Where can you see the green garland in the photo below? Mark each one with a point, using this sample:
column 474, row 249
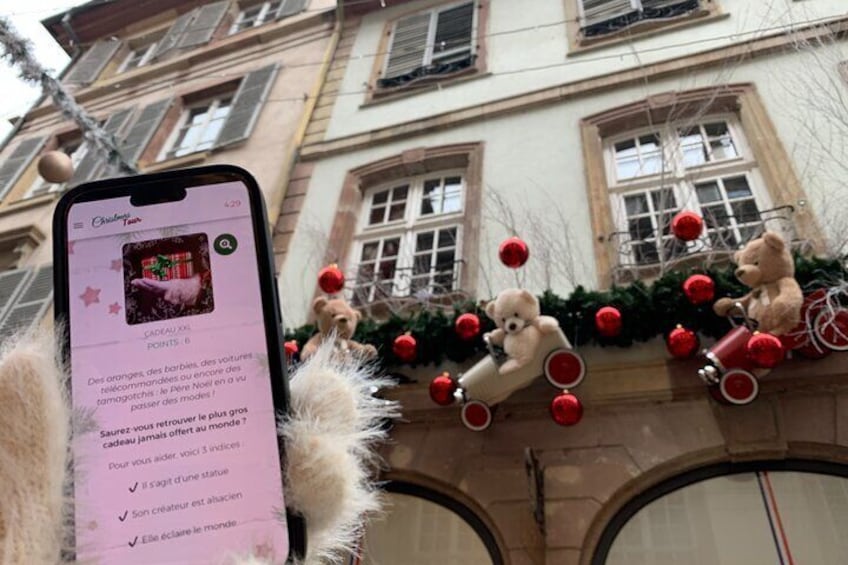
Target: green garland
column 647, row 312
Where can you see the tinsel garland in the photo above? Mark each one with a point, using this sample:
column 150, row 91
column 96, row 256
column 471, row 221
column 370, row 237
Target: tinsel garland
column 18, row 51
column 648, row 311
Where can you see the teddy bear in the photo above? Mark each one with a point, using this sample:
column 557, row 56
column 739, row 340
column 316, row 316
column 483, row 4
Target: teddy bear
column 520, row 326
column 336, row 320
column 765, row 265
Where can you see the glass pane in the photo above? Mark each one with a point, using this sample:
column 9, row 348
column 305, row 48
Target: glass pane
column 707, row 192
column 424, row 241
column 445, row 260
column 453, row 184
column 652, row 163
column 377, row 215
column 390, row 247
column 365, row 272
column 692, row 146
column 430, row 202
column 421, row 264
column 387, row 270
column 716, row 129
column 625, row 148
column 737, row 187
column 645, row 253
column 722, row 149
column 443, row 282
column 381, row 197
column 715, row 216
column 399, row 193
column 396, row 211
column 745, row 211
column 627, row 168
column 636, row 204
column 447, row 238
column 663, row 200
column 452, row 203
column 640, row 228
column 369, row 250
column 748, row 233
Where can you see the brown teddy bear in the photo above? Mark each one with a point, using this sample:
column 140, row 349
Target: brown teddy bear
column 766, row 266
column 337, row 320
column 520, row 327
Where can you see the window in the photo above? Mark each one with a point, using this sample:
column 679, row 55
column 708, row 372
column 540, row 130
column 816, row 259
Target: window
column 76, row 149
column 436, row 42
column 262, row 13
column 697, row 165
column 408, row 244
column 138, row 56
column 25, row 296
column 199, row 127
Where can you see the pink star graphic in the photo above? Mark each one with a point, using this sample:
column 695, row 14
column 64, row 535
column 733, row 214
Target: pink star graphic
column 90, row 296
column 114, row 308
column 117, row 265
column 71, row 247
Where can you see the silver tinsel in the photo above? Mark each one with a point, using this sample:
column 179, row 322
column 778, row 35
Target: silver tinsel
column 18, row 52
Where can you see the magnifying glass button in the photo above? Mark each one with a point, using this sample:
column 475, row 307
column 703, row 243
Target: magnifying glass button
column 225, row 244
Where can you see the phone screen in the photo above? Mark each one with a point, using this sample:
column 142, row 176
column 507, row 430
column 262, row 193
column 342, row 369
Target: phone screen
column 176, row 459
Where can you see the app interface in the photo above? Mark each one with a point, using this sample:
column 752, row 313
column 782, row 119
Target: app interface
column 175, row 448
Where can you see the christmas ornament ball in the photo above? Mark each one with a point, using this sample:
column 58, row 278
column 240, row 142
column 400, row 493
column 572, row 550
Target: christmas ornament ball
column 467, row 326
column 687, row 225
column 291, row 348
column 566, row 409
column 331, row 279
column 682, row 343
column 405, row 348
column 442, row 389
column 55, row 166
column 765, row 350
column 608, row 321
column 513, row 252
column 699, row 289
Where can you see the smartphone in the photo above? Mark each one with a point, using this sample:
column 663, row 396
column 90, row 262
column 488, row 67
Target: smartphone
column 164, row 286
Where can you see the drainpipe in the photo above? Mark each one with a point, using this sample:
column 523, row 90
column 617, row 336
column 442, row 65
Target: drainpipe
column 275, row 207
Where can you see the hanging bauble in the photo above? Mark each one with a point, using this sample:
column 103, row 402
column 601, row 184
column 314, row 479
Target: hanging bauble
column 55, row 166
column 291, row 349
column 566, row 409
column 682, row 343
column 405, row 348
column 699, row 289
column 608, row 321
column 687, row 225
column 467, row 326
column 765, row 350
column 513, row 252
column 442, row 389
column 331, row 279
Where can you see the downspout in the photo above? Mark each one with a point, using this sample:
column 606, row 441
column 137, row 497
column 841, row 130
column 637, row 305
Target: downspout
column 275, row 207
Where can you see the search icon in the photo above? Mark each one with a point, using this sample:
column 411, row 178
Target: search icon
column 225, row 244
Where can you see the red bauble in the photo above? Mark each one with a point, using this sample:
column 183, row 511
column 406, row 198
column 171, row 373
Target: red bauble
column 442, row 389
column 467, row 326
column 566, row 409
column 331, row 279
column 687, row 225
column 765, row 350
column 608, row 321
column 682, row 343
column 699, row 289
column 513, row 252
column 405, row 348
column 291, row 348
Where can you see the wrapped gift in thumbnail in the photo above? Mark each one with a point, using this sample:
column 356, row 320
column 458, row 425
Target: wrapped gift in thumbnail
column 168, row 267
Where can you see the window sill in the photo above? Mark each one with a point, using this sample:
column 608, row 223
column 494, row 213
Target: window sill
column 642, row 30
column 378, row 96
column 177, row 162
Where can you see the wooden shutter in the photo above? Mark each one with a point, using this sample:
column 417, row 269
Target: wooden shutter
column 90, row 65
column 199, row 31
column 173, row 36
column 409, row 45
column 246, row 106
column 137, row 138
column 31, row 304
column 291, row 7
column 94, row 162
column 15, row 164
column 453, row 28
column 599, row 11
column 11, row 282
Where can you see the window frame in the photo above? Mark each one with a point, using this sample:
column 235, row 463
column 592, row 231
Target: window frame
column 212, row 103
column 149, row 48
column 261, row 18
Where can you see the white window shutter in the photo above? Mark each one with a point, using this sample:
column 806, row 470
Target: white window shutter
column 247, row 104
column 139, row 135
column 599, row 11
column 409, row 45
column 454, row 28
column 15, row 164
column 291, row 7
column 91, row 64
column 31, row 303
column 94, row 160
column 173, row 36
column 11, row 282
column 200, row 30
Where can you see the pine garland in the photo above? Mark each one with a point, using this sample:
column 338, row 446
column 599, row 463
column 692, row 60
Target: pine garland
column 647, row 312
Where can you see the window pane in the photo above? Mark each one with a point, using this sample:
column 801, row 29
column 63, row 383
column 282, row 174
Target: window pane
column 430, row 202
column 421, row 264
column 627, row 168
column 663, row 200
column 453, row 184
column 445, row 260
column 369, row 250
column 424, row 241
column 745, row 211
column 641, row 228
column 721, row 143
column 715, row 216
column 636, row 204
column 365, row 272
column 707, row 192
column 391, row 247
column 387, row 270
column 645, row 253
column 381, row 197
column 692, row 147
column 396, row 211
column 399, row 193
column 737, row 187
column 447, row 238
column 452, row 203
column 377, row 216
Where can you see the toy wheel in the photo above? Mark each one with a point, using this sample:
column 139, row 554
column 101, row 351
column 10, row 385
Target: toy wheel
column 831, row 329
column 813, row 349
column 739, row 387
column 476, row 415
column 564, row 368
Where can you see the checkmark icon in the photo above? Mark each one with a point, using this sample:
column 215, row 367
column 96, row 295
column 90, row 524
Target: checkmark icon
column 135, row 486
column 124, row 517
column 133, row 542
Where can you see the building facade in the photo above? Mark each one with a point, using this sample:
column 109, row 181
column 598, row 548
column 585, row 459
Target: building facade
column 581, row 126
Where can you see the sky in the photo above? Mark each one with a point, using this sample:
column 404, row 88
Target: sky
column 26, row 17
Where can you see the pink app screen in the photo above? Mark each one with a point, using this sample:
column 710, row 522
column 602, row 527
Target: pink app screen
column 175, row 447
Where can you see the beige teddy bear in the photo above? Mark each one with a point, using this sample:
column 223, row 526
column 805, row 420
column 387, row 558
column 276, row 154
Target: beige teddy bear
column 766, row 266
column 336, row 320
column 520, row 326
